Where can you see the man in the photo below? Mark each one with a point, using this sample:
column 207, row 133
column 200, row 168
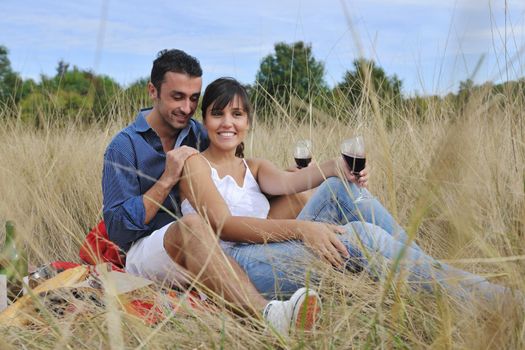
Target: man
column 142, row 167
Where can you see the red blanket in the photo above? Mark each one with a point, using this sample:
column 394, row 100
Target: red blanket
column 97, row 248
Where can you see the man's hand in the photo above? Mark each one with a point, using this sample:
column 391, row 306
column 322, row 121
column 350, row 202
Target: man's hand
column 160, row 190
column 361, row 180
column 174, row 163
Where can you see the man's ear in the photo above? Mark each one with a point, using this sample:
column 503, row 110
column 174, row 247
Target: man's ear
column 152, row 91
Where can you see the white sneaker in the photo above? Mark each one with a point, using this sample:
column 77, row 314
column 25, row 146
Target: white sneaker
column 301, row 311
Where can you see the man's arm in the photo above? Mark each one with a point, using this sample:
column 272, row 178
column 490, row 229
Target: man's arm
column 127, row 212
column 124, row 211
column 170, row 177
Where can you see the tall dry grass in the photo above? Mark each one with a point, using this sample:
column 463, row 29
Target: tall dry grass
column 454, row 180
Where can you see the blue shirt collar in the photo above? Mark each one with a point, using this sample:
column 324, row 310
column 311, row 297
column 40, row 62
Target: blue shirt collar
column 184, row 133
column 141, row 125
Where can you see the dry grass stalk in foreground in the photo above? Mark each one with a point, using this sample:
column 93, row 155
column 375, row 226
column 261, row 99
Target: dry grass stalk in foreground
column 456, row 181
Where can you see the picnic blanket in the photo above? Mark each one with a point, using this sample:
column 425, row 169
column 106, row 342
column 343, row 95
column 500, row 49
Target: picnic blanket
column 84, row 291
column 97, row 248
column 67, row 289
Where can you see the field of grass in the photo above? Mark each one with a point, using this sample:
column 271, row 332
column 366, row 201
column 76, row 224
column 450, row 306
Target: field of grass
column 455, row 180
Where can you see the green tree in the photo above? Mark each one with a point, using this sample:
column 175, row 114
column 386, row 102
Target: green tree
column 10, row 81
column 136, row 96
column 368, row 79
column 106, row 93
column 62, row 67
column 291, row 71
column 71, row 94
column 138, row 91
column 465, row 90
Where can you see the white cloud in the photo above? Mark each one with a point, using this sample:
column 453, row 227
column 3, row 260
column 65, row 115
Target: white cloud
column 407, row 37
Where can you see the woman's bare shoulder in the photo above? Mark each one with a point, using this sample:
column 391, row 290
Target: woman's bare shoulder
column 196, row 163
column 255, row 164
column 257, row 161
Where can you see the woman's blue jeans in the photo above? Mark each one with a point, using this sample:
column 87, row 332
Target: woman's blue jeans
column 374, row 240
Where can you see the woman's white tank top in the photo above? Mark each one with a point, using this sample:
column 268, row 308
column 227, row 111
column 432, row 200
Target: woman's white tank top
column 247, row 200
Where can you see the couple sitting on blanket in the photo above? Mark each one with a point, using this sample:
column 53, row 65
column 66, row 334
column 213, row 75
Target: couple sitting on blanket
column 166, row 164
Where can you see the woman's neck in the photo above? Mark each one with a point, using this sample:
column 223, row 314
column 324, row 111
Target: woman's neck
column 219, row 156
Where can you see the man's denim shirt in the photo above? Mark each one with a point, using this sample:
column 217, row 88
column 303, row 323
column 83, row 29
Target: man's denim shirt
column 133, row 162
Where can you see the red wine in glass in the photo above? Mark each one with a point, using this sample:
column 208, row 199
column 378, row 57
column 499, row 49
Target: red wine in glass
column 303, row 153
column 355, row 162
column 302, row 162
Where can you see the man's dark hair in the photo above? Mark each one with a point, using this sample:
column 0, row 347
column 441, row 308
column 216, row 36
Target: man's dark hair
column 176, row 61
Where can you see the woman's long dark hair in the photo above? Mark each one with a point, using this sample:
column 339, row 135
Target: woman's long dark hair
column 219, row 94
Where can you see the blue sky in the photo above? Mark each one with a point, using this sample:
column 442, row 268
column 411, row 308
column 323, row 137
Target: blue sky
column 430, row 44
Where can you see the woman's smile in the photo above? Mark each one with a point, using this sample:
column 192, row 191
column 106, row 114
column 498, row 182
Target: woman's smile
column 227, row 133
column 226, row 138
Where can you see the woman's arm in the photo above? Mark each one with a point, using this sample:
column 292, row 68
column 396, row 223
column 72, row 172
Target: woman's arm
column 274, row 181
column 197, row 186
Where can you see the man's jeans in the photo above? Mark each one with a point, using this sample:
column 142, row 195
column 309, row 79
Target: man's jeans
column 373, row 239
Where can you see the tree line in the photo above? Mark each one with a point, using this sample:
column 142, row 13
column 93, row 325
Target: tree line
column 290, row 78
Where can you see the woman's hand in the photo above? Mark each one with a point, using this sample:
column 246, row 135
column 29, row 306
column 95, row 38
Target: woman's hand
column 323, row 241
column 361, row 180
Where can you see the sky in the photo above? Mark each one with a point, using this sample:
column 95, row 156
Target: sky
column 431, row 45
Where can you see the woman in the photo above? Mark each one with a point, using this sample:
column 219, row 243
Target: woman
column 229, row 191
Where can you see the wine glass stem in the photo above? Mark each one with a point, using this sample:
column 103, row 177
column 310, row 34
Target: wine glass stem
column 359, row 187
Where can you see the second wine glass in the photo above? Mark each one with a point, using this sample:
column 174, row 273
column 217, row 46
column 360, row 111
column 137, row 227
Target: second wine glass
column 303, row 153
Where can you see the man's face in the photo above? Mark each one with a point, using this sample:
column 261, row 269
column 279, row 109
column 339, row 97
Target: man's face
column 178, row 98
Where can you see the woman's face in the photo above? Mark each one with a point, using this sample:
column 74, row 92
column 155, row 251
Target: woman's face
column 227, row 128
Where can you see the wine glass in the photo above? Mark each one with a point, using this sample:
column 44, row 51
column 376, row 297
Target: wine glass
column 353, row 151
column 303, row 153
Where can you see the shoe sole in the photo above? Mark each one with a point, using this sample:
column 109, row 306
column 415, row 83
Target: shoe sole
column 306, row 311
